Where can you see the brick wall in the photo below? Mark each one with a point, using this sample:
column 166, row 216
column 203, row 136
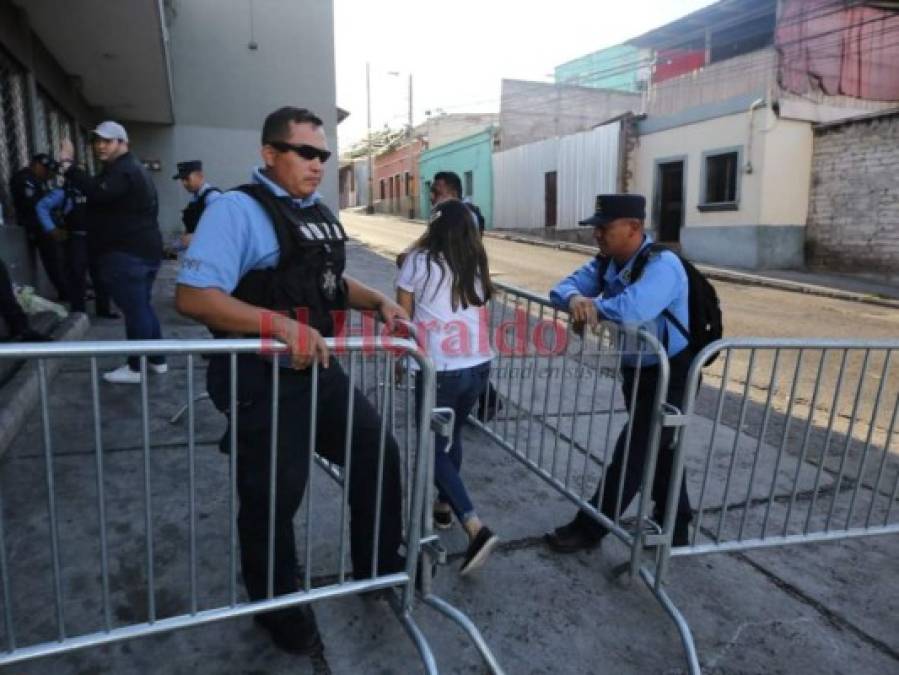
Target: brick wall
column 853, row 223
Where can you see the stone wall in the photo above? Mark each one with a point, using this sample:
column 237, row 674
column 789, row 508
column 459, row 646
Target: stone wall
column 853, row 223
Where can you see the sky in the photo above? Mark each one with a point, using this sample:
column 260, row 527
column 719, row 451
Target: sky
column 458, row 50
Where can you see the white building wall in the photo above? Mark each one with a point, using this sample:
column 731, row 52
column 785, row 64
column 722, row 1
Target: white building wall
column 586, row 164
column 518, row 184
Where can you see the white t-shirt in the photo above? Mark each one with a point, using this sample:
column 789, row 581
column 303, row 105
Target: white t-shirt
column 453, row 339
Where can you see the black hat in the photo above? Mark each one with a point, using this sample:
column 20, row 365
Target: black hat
column 186, row 168
column 610, row 207
column 43, row 159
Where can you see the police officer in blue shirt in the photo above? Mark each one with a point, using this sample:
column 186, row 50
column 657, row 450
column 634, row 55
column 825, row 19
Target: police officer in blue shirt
column 603, row 290
column 65, row 210
column 268, row 247
column 202, row 195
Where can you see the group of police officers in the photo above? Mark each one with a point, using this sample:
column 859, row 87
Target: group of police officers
column 271, row 246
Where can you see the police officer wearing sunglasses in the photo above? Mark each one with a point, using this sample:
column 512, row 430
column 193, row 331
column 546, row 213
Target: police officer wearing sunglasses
column 272, row 246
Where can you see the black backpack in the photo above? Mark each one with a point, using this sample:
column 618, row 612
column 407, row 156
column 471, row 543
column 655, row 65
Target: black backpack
column 704, row 307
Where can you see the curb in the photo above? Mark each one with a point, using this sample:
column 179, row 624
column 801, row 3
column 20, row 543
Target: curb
column 22, row 392
column 719, row 274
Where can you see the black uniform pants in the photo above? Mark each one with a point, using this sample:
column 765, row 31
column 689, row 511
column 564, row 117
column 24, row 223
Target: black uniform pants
column 12, row 313
column 253, row 477
column 48, row 250
column 639, row 422
column 79, row 263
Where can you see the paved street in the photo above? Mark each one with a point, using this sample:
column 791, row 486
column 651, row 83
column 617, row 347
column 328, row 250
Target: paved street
column 824, row 609
column 748, row 311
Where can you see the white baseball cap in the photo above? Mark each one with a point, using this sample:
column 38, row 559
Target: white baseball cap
column 111, row 131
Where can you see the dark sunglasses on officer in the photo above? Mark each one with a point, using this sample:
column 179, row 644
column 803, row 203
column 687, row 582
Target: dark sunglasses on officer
column 307, row 152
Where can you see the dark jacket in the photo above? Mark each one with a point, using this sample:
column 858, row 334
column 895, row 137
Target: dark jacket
column 26, row 190
column 122, row 208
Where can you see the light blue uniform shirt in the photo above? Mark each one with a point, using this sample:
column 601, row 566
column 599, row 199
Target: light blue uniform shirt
column 662, row 285
column 47, row 204
column 233, row 237
column 206, row 187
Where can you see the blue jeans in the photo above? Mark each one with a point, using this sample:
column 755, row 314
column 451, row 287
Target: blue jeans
column 129, row 280
column 459, row 390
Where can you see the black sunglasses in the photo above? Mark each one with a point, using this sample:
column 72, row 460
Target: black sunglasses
column 307, row 152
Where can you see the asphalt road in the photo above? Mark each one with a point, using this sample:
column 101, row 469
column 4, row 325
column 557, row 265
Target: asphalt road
column 748, row 311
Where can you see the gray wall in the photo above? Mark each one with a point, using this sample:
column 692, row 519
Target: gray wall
column 752, row 247
column 532, row 111
column 853, row 222
column 224, row 90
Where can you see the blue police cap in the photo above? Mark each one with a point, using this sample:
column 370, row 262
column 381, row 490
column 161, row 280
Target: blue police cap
column 610, row 207
column 186, row 168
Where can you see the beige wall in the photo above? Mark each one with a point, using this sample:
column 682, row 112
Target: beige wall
column 786, row 173
column 775, row 193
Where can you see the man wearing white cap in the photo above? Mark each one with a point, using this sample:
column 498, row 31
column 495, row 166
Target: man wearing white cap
column 122, row 212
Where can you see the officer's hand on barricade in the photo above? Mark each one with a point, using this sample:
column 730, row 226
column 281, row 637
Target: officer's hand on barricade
column 305, row 344
column 58, row 235
column 583, row 311
column 185, row 239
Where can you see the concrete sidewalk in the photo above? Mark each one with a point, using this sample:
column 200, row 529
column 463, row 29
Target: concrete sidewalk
column 818, row 609
column 838, row 286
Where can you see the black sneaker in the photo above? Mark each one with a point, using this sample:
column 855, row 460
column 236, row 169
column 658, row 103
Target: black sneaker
column 478, row 550
column 443, row 520
column 293, row 630
column 571, row 538
column 30, row 335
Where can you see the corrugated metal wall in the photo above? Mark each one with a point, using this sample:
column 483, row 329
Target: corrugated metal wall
column 586, row 164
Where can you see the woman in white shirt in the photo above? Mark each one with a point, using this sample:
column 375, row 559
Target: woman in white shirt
column 444, row 285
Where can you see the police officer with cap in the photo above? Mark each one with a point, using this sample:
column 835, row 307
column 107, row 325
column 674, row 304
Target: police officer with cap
column 271, row 253
column 64, row 210
column 603, row 290
column 28, row 186
column 202, row 195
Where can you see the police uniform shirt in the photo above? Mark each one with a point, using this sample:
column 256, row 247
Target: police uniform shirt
column 211, row 197
column 53, row 200
column 234, row 236
column 662, row 285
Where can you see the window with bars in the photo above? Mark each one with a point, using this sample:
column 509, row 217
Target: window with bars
column 14, row 136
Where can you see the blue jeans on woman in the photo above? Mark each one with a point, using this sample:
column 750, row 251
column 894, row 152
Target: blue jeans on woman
column 129, row 280
column 459, row 390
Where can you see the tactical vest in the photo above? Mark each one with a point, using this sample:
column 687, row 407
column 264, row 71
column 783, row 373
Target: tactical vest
column 309, row 274
column 190, row 215
column 308, row 278
column 76, row 219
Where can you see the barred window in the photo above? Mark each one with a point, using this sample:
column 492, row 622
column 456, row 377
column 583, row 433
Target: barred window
column 14, row 132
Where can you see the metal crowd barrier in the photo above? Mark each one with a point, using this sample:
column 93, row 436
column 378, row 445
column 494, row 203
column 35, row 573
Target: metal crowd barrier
column 152, row 598
column 801, row 446
column 563, row 407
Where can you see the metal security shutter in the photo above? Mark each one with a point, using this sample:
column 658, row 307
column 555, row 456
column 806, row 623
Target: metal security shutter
column 14, row 137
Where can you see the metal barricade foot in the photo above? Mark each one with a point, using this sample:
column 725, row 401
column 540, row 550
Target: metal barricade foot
column 683, row 628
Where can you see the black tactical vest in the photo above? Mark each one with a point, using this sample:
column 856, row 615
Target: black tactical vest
column 309, row 274
column 76, row 219
column 190, row 215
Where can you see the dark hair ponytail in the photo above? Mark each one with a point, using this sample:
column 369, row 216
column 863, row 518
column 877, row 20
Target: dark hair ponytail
column 453, row 242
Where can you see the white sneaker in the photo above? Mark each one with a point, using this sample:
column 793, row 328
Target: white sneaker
column 159, row 368
column 122, row 375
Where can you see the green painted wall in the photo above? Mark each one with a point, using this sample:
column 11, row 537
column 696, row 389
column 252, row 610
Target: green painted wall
column 473, row 153
column 612, row 68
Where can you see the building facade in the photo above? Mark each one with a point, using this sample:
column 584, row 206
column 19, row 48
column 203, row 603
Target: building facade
column 188, row 80
column 396, row 179
column 471, row 159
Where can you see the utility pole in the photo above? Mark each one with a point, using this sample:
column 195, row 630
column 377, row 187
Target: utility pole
column 370, row 207
column 411, row 189
column 410, row 104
